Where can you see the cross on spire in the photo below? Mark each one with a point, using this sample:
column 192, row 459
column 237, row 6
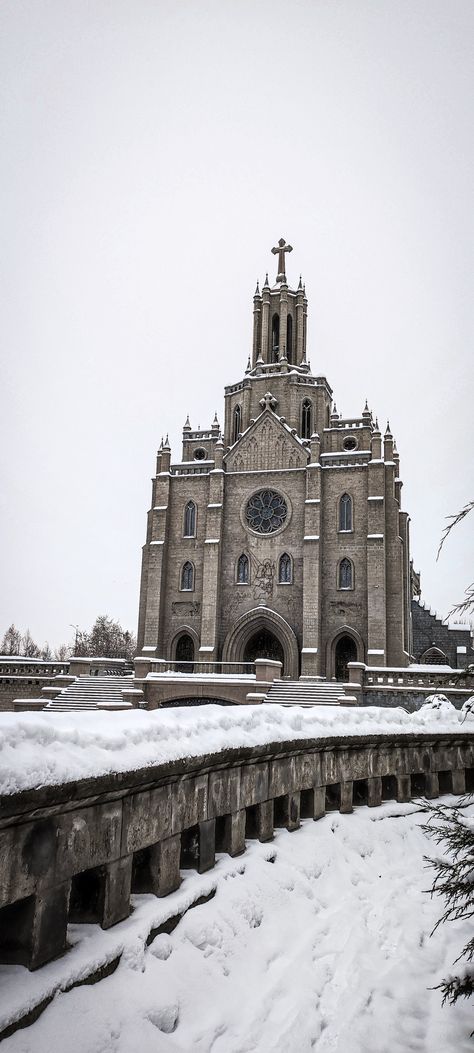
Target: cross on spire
column 281, row 248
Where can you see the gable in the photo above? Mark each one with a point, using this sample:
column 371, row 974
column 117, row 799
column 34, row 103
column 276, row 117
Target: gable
column 267, row 444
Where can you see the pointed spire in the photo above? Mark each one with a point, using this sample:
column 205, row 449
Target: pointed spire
column 166, row 445
column 300, row 285
column 215, row 423
column 249, row 367
column 377, row 424
column 266, row 284
column 387, row 430
column 257, row 290
column 161, row 443
column 187, row 425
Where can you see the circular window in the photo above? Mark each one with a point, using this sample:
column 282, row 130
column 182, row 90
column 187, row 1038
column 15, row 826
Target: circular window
column 350, row 443
column 266, row 512
column 200, row 454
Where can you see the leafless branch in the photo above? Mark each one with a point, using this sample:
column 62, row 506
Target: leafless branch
column 453, row 521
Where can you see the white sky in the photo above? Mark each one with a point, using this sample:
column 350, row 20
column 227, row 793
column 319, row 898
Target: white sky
column 152, row 154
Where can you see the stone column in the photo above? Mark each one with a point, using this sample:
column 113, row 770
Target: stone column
column 49, row 928
column 118, row 880
column 164, row 865
column 310, row 654
column 212, row 560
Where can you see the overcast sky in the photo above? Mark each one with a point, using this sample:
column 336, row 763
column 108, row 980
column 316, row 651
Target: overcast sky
column 152, row 154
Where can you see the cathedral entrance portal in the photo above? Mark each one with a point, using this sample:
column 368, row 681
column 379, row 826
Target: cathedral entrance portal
column 346, row 651
column 263, row 644
column 185, row 654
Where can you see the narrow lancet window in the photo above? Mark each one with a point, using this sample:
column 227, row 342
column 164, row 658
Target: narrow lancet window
column 275, row 338
column 306, row 421
column 190, row 520
column 289, row 338
column 243, row 570
column 187, row 577
column 237, row 424
column 284, row 569
column 345, row 512
column 345, row 574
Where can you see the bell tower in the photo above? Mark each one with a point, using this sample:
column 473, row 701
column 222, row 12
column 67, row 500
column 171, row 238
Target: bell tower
column 279, row 319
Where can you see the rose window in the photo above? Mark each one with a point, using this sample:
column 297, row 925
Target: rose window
column 266, row 512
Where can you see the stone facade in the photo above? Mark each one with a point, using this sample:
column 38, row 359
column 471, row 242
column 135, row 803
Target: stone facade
column 283, row 535
column 435, row 642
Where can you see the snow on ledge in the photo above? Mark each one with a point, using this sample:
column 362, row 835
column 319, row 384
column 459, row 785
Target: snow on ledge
column 39, row 749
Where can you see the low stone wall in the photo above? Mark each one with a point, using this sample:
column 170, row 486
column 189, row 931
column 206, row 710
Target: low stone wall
column 75, row 852
column 21, row 687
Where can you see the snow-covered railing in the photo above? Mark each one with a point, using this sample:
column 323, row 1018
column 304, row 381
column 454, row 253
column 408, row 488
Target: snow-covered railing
column 75, row 850
column 31, row 667
column 200, row 667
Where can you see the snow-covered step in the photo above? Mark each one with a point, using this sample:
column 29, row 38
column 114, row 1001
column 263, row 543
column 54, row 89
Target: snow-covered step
column 91, row 693
column 306, row 693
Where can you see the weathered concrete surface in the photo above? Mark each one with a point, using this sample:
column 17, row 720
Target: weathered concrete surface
column 79, row 849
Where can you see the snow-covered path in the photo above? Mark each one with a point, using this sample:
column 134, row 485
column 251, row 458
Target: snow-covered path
column 317, row 941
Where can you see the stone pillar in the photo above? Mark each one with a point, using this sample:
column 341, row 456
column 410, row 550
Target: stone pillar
column 346, row 797
column 164, row 865
column 207, row 845
column 291, row 810
column 49, row 929
column 310, row 654
column 319, row 802
column 299, row 327
column 118, row 880
column 459, row 780
column 264, row 814
column 265, row 322
column 212, row 561
column 257, row 309
column 403, row 788
column 376, row 559
column 374, row 792
column 154, row 562
column 234, row 833
column 283, row 319
column 431, row 784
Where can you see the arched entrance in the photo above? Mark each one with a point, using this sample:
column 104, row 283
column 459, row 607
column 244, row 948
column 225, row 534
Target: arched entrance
column 185, row 654
column 263, row 628
column 346, row 651
column 264, row 644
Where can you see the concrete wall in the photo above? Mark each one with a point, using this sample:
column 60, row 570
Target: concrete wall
column 75, row 852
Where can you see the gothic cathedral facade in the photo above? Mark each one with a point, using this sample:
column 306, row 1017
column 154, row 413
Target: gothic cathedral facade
column 283, row 536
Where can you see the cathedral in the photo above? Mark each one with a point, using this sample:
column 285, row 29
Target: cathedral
column 281, row 536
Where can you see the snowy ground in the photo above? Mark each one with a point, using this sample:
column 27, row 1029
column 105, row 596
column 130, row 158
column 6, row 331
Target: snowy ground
column 317, row 941
column 43, row 749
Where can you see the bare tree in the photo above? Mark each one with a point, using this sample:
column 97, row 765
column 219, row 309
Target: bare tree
column 466, row 606
column 11, row 643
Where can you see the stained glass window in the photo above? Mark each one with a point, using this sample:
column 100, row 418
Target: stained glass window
column 266, row 512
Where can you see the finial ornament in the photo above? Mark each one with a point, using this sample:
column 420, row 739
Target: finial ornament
column 300, row 285
column 187, row 424
column 281, row 248
column 257, row 290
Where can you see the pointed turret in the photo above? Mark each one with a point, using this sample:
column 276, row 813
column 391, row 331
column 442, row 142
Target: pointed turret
column 186, row 425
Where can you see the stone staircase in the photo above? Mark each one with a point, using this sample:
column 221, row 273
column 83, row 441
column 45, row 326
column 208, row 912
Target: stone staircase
column 91, row 693
column 308, row 692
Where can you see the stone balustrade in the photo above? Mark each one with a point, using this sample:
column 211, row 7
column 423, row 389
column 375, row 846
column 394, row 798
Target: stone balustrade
column 75, row 852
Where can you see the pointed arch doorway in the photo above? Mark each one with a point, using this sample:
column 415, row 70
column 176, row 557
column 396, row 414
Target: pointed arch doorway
column 345, row 651
column 264, row 644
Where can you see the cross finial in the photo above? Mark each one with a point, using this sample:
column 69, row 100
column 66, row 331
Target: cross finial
column 281, row 248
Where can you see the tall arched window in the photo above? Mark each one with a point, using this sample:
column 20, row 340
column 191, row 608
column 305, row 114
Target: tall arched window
column 190, row 520
column 284, row 569
column 345, row 512
column 345, row 576
column 275, row 338
column 306, row 422
column 187, row 577
column 237, row 423
column 289, row 338
column 243, row 569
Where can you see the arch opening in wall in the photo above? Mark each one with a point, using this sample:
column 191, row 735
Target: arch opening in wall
column 243, row 570
column 264, row 644
column 345, row 513
column 190, row 520
column 187, row 577
column 289, row 338
column 434, row 656
column 344, row 652
column 184, row 654
column 250, row 625
column 285, row 575
column 306, row 419
column 345, row 574
column 275, row 338
column 237, row 423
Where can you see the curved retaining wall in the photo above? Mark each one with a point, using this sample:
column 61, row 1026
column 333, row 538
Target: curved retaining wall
column 75, row 852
